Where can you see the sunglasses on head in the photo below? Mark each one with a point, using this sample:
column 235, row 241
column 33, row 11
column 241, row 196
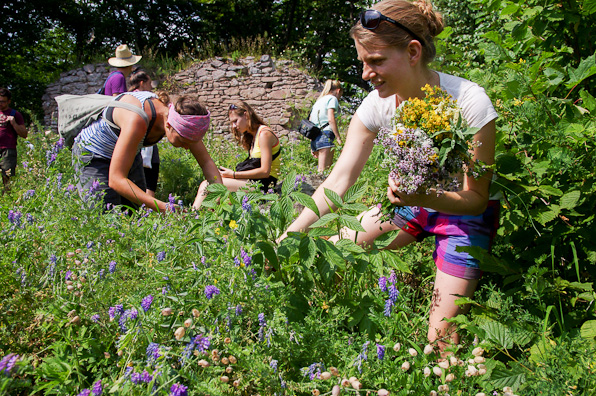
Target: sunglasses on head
column 233, row 107
column 371, row 19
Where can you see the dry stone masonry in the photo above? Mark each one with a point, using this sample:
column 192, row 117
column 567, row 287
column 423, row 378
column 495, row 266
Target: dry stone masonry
column 277, row 90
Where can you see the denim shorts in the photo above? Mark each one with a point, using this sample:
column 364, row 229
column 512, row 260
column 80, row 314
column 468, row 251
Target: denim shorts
column 324, row 140
column 451, row 231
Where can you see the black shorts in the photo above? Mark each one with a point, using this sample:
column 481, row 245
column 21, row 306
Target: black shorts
column 151, row 176
column 8, row 161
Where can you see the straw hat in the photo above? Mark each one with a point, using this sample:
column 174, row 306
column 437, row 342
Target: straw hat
column 124, row 57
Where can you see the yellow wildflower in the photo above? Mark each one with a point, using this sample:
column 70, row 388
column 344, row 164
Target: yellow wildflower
column 233, row 224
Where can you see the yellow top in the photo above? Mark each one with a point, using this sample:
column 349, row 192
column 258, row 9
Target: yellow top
column 256, row 153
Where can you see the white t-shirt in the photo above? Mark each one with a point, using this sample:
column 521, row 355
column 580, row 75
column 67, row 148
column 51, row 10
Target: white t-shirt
column 318, row 114
column 476, row 107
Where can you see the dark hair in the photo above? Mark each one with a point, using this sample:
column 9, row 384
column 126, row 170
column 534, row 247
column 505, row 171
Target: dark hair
column 418, row 16
column 190, row 105
column 137, row 77
column 245, row 139
column 5, row 92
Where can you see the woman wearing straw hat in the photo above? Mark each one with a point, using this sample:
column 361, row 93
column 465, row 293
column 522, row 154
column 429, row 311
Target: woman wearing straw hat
column 123, row 62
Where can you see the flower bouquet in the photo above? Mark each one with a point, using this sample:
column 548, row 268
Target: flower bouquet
column 428, row 145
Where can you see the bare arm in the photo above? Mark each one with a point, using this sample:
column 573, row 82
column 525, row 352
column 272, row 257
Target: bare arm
column 333, row 124
column 266, row 142
column 473, row 197
column 199, row 151
column 359, row 145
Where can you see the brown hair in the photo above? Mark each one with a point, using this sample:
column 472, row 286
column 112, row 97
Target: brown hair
column 418, row 16
column 137, row 77
column 190, row 105
column 245, row 139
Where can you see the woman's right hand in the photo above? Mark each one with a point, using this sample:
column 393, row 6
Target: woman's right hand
column 225, row 172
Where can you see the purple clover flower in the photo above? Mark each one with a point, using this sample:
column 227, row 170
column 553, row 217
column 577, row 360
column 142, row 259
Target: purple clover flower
column 393, row 277
column 95, row 318
column 8, row 362
column 273, row 365
column 153, row 352
column 84, row 392
column 146, row 377
column 67, row 275
column 388, row 307
column 146, row 303
column 112, row 267
column 238, row 310
column 136, row 378
column 393, row 293
column 246, row 259
column 245, row 205
column 161, row 256
column 210, row 291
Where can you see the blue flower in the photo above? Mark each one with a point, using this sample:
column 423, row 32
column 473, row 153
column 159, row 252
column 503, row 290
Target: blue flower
column 245, row 205
column 380, row 351
column 146, row 377
column 84, row 392
column 112, row 267
column 238, row 310
column 178, row 390
column 161, row 256
column 210, row 290
column 273, row 365
column 393, row 293
column 97, row 389
column 146, row 303
column 262, row 321
column 153, row 352
column 383, row 284
column 95, row 318
column 388, row 307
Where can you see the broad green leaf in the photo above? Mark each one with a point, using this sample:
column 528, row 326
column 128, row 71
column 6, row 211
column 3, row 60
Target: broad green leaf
column 305, row 200
column 588, row 329
column 385, row 239
column 269, row 252
column 324, row 220
column 487, row 261
column 288, row 183
column 588, row 100
column 586, row 68
column 217, row 188
column 510, row 9
column 508, row 164
column 331, row 253
column 322, row 231
column 569, row 200
column 351, row 222
column 394, row 261
column 514, row 377
column 307, row 251
column 541, row 351
column 334, row 198
column 355, row 192
column 498, row 333
column 550, row 190
column 545, row 217
column 350, row 246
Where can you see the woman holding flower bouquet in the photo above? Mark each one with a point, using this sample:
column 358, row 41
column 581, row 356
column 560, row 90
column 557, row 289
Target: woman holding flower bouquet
column 394, row 41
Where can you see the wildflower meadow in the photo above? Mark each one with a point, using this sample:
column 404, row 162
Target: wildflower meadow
column 134, row 302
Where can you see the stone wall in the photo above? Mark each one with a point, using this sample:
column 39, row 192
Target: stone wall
column 275, row 89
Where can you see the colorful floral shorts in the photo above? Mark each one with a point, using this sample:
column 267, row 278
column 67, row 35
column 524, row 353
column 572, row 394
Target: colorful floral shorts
column 451, row 231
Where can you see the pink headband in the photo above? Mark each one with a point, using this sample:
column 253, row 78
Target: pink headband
column 191, row 127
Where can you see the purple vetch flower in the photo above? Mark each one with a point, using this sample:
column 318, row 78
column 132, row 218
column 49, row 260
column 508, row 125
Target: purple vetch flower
column 115, row 311
column 262, row 321
column 161, row 256
column 246, row 259
column 388, row 307
column 67, row 275
column 70, row 188
column 8, row 362
column 146, row 303
column 153, row 352
column 146, row 377
column 211, row 290
column 383, row 284
column 28, row 194
column 380, row 351
column 393, row 293
column 14, row 217
column 178, row 390
column 245, row 205
column 393, row 277
column 236, row 262
column 84, row 392
column 112, row 267
column 136, row 378
column 95, row 318
column 97, row 389
column 238, row 310
column 201, row 343
column 90, row 244
column 273, row 365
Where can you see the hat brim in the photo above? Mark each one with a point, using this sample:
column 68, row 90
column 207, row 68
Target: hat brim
column 119, row 62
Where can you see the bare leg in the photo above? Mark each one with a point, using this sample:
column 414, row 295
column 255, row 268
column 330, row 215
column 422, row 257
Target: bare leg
column 447, row 289
column 325, row 159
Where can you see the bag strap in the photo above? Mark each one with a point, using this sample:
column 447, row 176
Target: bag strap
column 128, row 106
column 319, row 120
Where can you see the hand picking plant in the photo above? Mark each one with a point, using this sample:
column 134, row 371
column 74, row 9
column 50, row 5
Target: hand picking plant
column 428, row 145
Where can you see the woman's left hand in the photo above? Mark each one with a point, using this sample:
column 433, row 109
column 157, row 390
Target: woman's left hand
column 401, row 198
column 225, row 172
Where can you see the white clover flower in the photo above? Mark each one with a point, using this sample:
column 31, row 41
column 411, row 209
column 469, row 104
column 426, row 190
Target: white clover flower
column 453, row 360
column 437, row 371
column 481, row 371
column 413, row 352
column 472, row 370
column 397, row 347
column 444, row 364
column 450, row 377
column 383, row 392
column 481, row 394
column 478, row 351
column 479, row 359
column 444, row 388
column 428, row 349
column 405, row 366
column 433, row 393
column 426, row 371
